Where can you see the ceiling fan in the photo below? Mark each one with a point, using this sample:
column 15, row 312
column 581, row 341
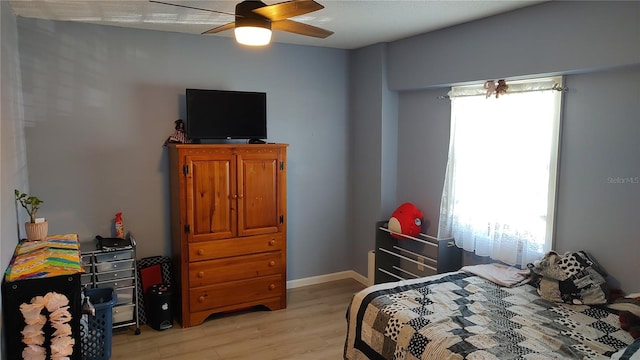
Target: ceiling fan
column 254, row 20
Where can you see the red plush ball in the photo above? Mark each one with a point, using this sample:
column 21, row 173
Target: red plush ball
column 406, row 220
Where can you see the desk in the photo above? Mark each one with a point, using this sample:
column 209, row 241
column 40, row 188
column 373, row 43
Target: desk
column 38, row 269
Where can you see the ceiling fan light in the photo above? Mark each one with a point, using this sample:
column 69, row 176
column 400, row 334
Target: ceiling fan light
column 253, row 35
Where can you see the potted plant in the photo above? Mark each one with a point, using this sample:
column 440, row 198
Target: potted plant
column 36, row 229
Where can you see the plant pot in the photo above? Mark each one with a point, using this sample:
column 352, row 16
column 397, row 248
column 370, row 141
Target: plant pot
column 36, row 231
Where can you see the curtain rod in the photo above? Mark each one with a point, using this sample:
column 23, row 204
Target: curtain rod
column 556, row 87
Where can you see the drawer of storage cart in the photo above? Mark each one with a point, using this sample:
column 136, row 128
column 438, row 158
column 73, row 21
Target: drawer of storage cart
column 125, row 295
column 114, row 256
column 86, row 279
column 216, row 249
column 114, row 265
column 122, row 313
column 235, row 292
column 116, row 284
column 86, row 261
column 114, row 275
column 235, row 268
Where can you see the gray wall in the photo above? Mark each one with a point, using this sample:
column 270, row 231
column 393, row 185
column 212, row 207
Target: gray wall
column 13, row 162
column 599, row 183
column 423, row 133
column 600, row 130
column 551, row 38
column 102, row 100
column 372, row 171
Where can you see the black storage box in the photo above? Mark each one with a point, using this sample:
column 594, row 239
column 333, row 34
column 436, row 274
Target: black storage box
column 158, row 308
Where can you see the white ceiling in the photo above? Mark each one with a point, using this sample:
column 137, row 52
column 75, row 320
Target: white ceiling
column 355, row 23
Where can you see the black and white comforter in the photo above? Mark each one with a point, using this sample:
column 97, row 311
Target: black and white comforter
column 463, row 316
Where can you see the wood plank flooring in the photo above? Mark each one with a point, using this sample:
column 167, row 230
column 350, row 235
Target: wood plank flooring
column 312, row 327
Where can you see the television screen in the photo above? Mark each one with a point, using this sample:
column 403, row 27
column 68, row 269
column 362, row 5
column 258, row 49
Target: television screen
column 222, row 114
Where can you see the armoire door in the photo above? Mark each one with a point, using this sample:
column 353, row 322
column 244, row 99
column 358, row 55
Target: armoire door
column 259, row 176
column 210, row 196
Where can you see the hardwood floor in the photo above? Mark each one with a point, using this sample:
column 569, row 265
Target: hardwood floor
column 312, row 327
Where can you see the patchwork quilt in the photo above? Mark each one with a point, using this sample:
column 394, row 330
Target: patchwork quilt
column 462, row 316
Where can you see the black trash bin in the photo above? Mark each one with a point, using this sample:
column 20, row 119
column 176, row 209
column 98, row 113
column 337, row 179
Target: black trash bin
column 158, row 309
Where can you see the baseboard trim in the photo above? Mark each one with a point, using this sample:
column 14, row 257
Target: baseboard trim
column 313, row 280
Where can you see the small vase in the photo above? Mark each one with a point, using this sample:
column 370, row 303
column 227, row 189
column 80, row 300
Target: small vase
column 36, row 231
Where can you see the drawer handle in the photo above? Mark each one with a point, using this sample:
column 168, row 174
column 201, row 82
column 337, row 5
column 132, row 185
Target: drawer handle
column 201, row 299
column 200, row 252
column 272, row 263
column 200, row 274
column 272, row 242
column 272, row 286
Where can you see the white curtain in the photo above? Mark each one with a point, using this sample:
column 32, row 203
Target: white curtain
column 499, row 191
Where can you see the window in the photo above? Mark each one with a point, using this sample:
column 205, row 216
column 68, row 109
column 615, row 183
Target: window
column 499, row 194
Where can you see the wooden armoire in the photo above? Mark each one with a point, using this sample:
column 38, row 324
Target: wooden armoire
column 228, row 227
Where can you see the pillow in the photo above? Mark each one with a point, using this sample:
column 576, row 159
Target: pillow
column 406, row 220
column 573, row 278
column 549, row 266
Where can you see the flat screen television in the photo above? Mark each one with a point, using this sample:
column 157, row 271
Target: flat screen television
column 224, row 114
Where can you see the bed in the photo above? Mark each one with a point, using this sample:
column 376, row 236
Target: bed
column 462, row 315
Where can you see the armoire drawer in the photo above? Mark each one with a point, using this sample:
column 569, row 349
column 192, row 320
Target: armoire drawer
column 235, row 292
column 216, row 249
column 234, row 268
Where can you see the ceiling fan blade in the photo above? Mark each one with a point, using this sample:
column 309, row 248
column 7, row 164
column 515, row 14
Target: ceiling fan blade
column 220, row 28
column 190, row 7
column 287, row 9
column 300, row 28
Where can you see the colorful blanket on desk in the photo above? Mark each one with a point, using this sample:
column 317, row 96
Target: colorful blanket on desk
column 57, row 255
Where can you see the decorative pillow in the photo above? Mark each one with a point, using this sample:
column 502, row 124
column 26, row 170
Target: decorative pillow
column 406, row 220
column 574, row 278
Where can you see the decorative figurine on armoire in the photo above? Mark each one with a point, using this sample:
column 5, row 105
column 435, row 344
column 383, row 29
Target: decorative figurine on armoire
column 178, row 136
